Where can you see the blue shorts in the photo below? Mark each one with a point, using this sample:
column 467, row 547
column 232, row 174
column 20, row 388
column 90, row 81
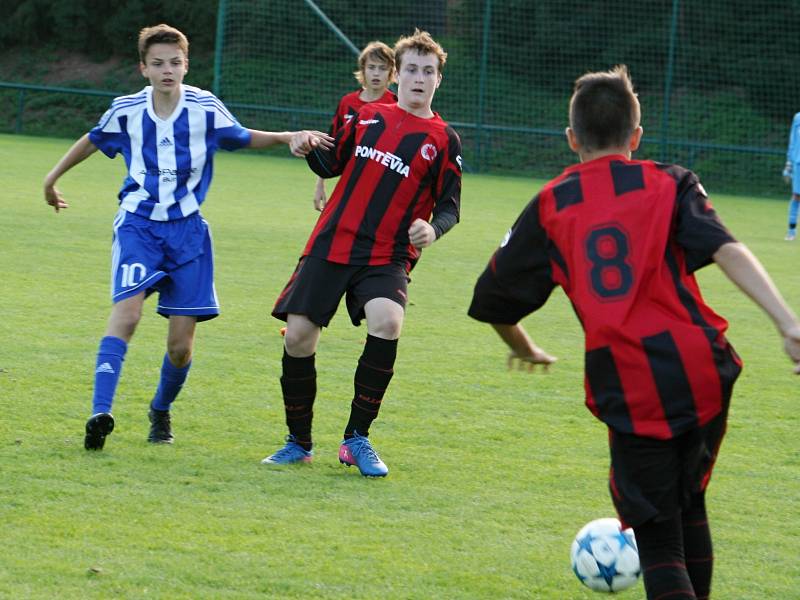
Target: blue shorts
column 174, row 258
column 796, row 178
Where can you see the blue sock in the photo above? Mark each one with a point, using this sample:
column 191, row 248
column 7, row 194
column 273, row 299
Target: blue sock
column 107, row 371
column 171, row 382
column 794, row 206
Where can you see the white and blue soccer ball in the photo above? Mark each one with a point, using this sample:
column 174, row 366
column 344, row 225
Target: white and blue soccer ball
column 605, row 557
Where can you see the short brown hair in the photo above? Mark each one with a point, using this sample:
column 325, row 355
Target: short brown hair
column 377, row 51
column 161, row 34
column 604, row 110
column 421, row 42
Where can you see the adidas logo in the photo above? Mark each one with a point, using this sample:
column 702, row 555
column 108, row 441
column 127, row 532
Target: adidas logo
column 165, row 142
column 105, row 368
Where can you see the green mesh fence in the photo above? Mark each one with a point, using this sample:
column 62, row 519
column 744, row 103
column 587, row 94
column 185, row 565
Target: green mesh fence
column 716, row 78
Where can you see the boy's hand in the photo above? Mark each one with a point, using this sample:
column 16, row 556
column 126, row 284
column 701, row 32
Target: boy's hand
column 791, row 344
column 536, row 357
column 303, row 142
column 54, row 198
column 421, row 234
column 787, row 172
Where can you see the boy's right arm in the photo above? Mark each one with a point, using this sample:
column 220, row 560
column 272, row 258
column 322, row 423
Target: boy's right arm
column 80, row 151
column 744, row 269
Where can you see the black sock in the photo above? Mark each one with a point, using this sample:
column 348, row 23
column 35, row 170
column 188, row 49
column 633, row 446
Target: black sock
column 373, row 374
column 663, row 563
column 698, row 547
column 299, row 385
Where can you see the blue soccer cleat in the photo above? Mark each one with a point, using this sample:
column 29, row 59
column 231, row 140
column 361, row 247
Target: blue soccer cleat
column 359, row 452
column 290, row 454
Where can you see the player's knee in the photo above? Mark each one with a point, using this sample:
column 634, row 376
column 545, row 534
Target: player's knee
column 179, row 353
column 124, row 320
column 387, row 327
column 299, row 342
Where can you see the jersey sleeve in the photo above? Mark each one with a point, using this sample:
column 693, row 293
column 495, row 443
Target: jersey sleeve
column 108, row 135
column 699, row 231
column 447, row 206
column 228, row 133
column 518, row 279
column 331, row 163
column 338, row 118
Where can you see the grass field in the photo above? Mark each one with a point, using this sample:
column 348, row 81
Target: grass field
column 492, row 472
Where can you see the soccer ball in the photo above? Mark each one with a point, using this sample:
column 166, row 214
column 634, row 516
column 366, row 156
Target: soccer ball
column 604, row 557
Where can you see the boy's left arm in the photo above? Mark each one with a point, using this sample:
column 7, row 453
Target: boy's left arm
column 447, row 208
column 746, row 271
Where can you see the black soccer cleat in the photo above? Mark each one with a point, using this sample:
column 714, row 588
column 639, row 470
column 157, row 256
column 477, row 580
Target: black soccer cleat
column 160, row 427
column 97, row 428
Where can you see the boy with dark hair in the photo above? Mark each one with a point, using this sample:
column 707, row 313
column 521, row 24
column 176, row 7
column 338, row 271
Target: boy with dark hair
column 375, row 73
column 399, row 192
column 168, row 134
column 623, row 238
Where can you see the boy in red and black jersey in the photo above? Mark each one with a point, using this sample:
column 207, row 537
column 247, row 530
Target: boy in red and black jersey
column 396, row 168
column 623, row 239
column 375, row 73
column 399, row 191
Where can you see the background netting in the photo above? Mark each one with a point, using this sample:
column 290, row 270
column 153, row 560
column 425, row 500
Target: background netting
column 716, row 79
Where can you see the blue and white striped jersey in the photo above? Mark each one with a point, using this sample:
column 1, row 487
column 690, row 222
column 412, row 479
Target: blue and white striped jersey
column 170, row 161
column 793, row 153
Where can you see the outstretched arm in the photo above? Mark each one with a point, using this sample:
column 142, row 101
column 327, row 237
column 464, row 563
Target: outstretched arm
column 522, row 347
column 80, row 151
column 744, row 269
column 300, row 142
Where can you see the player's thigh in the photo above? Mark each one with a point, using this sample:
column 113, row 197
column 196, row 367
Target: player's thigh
column 189, row 289
column 796, row 179
column 136, row 257
column 388, row 282
column 315, row 289
column 646, row 477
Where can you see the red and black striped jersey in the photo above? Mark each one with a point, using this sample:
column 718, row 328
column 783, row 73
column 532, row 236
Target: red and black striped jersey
column 395, row 168
column 351, row 103
column 623, row 239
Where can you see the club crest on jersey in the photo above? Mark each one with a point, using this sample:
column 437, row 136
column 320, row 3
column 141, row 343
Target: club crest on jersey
column 428, row 152
column 387, row 159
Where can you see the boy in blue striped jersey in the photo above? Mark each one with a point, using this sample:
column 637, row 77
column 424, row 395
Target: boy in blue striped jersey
column 168, row 134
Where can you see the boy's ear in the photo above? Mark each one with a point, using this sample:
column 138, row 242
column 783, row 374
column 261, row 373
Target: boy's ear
column 636, row 139
column 572, row 140
column 142, row 67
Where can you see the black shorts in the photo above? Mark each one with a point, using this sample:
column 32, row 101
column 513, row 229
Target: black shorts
column 656, row 479
column 317, row 286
